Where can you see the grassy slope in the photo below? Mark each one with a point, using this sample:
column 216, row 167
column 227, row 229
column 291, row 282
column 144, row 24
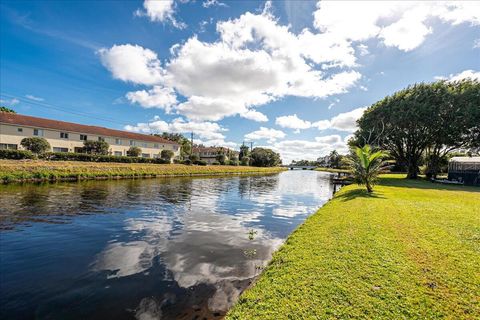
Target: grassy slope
column 411, row 251
column 332, row 170
column 14, row 170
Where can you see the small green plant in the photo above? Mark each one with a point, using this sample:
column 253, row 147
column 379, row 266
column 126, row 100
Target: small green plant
column 366, row 165
column 251, row 234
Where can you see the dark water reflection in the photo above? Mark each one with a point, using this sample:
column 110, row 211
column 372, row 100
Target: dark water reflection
column 174, row 248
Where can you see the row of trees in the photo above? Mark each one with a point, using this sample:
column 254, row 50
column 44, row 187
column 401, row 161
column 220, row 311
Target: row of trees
column 423, row 121
column 258, row 157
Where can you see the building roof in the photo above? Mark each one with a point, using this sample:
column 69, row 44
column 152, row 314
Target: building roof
column 22, row 120
column 466, row 159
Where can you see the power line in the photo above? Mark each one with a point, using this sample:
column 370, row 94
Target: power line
column 62, row 109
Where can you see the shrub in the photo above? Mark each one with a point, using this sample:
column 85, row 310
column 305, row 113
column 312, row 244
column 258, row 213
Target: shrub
column 216, row 163
column 161, row 161
column 178, row 161
column 65, row 156
column 221, row 158
column 200, row 162
column 134, row 152
column 194, row 157
column 16, row 154
column 245, row 161
column 167, row 155
column 187, row 162
column 95, row 147
column 35, row 144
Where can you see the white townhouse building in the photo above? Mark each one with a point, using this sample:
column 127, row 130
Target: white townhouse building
column 69, row 137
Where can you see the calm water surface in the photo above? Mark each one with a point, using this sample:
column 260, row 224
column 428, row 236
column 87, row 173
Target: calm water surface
column 178, row 248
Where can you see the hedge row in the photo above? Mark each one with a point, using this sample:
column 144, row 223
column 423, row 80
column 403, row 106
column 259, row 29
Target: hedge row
column 16, row 154
column 67, row 156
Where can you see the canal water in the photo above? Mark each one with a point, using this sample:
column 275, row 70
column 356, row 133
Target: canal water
column 173, row 248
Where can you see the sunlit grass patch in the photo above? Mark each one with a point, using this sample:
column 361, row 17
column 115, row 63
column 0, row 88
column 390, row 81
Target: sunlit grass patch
column 410, row 250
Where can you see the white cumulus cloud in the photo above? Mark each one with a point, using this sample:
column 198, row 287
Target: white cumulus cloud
column 203, row 130
column 132, row 63
column 160, row 11
column 263, row 133
column 346, row 121
column 465, row 74
column 157, row 97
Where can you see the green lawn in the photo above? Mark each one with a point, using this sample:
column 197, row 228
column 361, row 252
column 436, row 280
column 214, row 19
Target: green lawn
column 409, row 251
column 332, row 170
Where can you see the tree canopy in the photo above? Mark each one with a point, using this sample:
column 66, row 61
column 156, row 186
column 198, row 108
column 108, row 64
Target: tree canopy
column 263, row 157
column 425, row 118
column 35, row 144
column 7, row 110
column 95, row 147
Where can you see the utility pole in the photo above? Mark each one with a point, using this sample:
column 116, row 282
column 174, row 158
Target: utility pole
column 191, row 144
column 251, row 146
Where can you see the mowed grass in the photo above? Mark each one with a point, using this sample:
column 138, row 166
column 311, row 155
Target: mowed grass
column 409, row 251
column 332, row 170
column 35, row 170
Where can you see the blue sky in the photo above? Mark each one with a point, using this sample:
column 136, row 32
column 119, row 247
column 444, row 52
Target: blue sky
column 291, row 75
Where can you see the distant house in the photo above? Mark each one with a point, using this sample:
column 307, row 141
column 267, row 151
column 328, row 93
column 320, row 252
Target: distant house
column 465, row 169
column 324, row 161
column 69, row 137
column 209, row 154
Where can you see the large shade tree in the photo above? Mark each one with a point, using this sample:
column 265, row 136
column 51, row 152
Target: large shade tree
column 431, row 119
column 263, row 157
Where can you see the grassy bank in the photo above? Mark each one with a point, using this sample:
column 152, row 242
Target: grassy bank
column 409, row 251
column 37, row 170
column 332, row 170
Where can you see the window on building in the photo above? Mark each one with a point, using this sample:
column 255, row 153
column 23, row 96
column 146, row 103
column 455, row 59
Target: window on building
column 58, row 149
column 7, row 146
column 83, row 137
column 38, row 132
column 20, row 129
column 145, row 155
column 118, row 141
column 118, row 153
column 101, row 139
column 175, row 148
column 64, row 135
column 132, row 143
column 155, row 145
column 145, row 145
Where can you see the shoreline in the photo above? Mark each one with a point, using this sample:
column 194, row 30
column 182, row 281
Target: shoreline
column 14, row 171
column 357, row 257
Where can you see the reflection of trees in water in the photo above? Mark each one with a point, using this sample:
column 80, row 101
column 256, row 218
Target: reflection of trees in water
column 252, row 185
column 174, row 191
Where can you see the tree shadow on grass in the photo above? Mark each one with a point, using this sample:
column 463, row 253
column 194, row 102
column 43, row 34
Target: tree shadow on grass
column 424, row 184
column 358, row 193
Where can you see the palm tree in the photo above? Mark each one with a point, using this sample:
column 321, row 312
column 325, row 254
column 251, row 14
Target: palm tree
column 366, row 165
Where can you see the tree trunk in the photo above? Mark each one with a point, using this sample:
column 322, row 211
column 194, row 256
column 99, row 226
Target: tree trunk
column 412, row 169
column 369, row 187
